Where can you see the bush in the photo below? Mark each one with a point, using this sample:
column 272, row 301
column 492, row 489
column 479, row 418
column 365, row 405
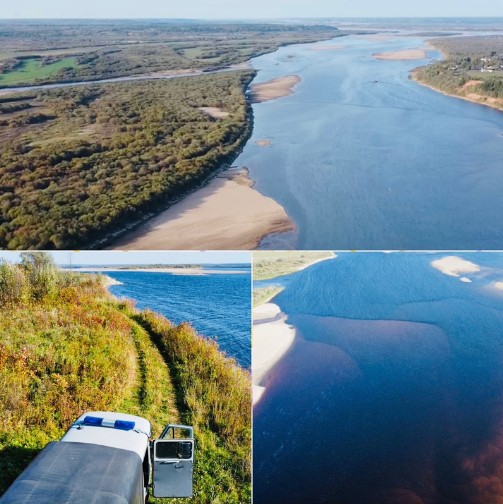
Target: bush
column 42, row 272
column 14, row 286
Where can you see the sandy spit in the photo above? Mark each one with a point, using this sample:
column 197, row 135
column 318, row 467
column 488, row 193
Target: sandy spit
column 273, row 89
column 227, row 214
column 272, row 337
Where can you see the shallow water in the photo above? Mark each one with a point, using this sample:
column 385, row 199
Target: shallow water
column 373, row 165
column 393, row 390
column 217, row 306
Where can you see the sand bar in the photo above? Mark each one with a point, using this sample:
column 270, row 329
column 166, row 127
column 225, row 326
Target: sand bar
column 327, row 47
column 273, row 89
column 455, row 266
column 408, row 54
column 272, row 338
column 227, row 214
column 263, row 143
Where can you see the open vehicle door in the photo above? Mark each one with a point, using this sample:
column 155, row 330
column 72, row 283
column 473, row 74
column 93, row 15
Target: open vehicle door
column 173, row 461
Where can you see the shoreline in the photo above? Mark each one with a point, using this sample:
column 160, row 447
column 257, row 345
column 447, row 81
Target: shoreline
column 271, row 339
column 191, row 223
column 312, row 263
column 413, row 76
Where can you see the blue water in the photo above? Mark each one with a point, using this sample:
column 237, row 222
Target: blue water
column 217, row 306
column 391, row 164
column 393, row 390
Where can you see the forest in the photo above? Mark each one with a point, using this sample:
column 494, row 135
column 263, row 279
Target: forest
column 80, row 164
column 68, row 51
column 472, row 68
column 68, row 346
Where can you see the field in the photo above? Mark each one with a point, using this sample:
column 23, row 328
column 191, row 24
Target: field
column 34, row 69
column 67, row 346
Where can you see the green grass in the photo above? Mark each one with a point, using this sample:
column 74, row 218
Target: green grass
column 67, row 346
column 31, row 70
column 268, row 265
column 262, row 295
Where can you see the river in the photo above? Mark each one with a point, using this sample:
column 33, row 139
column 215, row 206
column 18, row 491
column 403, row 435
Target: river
column 392, row 392
column 362, row 157
column 216, row 305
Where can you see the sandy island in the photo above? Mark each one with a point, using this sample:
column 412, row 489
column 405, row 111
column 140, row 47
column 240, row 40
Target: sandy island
column 273, row 89
column 455, row 266
column 408, row 54
column 272, row 338
column 227, row 214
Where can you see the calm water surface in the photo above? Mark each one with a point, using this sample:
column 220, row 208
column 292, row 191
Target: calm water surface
column 216, row 305
column 373, row 165
column 393, row 390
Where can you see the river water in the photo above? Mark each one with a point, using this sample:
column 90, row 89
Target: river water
column 363, row 157
column 393, row 390
column 216, row 305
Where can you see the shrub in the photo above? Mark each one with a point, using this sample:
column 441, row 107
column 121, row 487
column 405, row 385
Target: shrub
column 13, row 284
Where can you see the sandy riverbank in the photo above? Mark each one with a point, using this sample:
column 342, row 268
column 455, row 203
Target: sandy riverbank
column 227, row 214
column 408, row 54
column 487, row 101
column 273, row 89
column 455, row 266
column 272, row 338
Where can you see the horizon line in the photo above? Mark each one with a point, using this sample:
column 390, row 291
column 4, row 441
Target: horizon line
column 242, row 18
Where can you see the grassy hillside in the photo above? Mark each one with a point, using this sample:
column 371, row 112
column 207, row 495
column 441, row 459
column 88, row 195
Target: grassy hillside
column 68, row 346
column 77, row 164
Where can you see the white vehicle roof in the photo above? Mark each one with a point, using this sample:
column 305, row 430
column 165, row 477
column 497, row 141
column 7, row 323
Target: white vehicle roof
column 116, row 430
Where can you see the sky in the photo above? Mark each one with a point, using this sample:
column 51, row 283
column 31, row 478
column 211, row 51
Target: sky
column 111, row 257
column 240, row 9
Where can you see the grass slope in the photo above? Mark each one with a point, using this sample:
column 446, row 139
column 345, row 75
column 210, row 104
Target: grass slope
column 68, row 346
